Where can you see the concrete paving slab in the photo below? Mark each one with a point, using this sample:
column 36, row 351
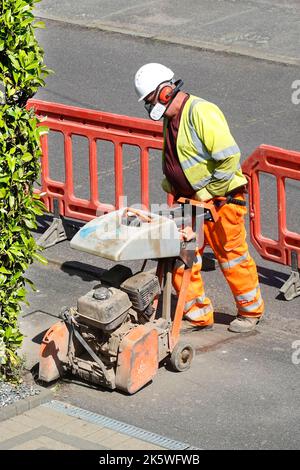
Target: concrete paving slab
column 52, row 439
column 113, row 440
column 52, row 444
column 135, row 444
column 53, row 420
column 35, row 444
column 24, row 421
column 82, row 429
column 8, row 432
column 37, row 429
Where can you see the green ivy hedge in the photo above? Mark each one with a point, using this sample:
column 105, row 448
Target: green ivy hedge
column 22, row 72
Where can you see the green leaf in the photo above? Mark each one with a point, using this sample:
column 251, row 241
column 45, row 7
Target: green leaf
column 40, row 258
column 14, row 61
column 27, row 157
column 32, row 285
column 39, row 24
column 11, row 161
column 4, row 179
column 16, row 76
column 4, row 270
column 43, row 130
column 2, row 193
column 16, row 229
column 38, row 211
column 25, row 8
column 32, row 66
column 21, row 292
column 8, row 332
column 30, row 224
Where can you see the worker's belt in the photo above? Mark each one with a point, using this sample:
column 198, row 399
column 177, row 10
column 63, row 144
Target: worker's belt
column 229, row 200
column 220, row 202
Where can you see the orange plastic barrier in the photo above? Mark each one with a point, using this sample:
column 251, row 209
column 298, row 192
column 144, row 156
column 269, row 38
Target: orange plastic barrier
column 142, row 133
column 95, row 126
column 282, row 164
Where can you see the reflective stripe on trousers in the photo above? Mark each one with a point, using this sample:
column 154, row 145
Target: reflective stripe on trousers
column 198, row 313
column 198, row 308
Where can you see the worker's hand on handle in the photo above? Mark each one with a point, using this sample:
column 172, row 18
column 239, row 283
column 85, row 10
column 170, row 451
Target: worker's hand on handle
column 187, row 234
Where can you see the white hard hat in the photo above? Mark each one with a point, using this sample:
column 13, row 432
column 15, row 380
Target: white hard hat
column 149, row 76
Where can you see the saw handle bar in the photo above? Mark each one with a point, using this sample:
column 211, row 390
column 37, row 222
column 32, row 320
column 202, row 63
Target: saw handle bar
column 210, row 207
column 207, row 206
column 139, row 214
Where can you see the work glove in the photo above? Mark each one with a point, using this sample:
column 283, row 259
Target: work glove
column 187, row 234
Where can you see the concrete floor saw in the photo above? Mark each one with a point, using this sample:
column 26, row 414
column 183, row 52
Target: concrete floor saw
column 120, row 331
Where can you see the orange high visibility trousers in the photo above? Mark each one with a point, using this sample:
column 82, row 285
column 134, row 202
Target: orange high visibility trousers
column 227, row 238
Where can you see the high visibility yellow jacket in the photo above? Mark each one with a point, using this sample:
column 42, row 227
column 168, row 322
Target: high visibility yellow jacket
column 207, row 152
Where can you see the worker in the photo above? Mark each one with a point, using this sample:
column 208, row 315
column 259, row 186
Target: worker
column 201, row 160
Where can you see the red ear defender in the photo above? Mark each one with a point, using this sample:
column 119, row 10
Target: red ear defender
column 165, row 94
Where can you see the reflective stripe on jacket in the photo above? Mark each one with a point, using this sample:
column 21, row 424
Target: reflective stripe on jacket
column 207, row 152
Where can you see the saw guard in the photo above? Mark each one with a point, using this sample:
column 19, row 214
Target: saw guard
column 137, row 359
column 53, row 352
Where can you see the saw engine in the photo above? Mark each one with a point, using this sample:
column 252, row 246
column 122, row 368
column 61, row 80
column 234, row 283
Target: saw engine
column 109, row 339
